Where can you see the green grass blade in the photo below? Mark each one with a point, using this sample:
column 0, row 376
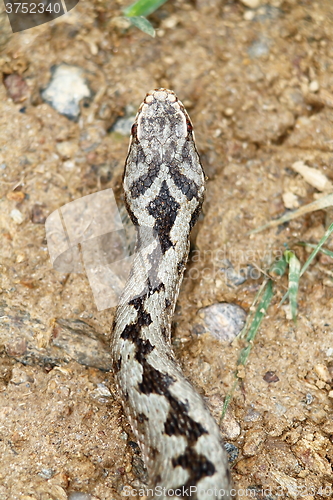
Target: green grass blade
column 143, row 7
column 267, row 293
column 293, row 281
column 325, row 251
column 243, row 332
column 143, row 24
column 259, row 314
column 317, row 249
column 278, row 268
column 228, row 398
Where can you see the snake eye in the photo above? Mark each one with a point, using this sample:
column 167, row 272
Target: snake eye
column 189, row 126
column 134, row 129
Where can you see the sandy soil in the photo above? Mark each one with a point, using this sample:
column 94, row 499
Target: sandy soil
column 258, row 85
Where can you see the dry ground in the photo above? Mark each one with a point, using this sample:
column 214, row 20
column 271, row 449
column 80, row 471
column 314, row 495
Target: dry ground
column 259, row 88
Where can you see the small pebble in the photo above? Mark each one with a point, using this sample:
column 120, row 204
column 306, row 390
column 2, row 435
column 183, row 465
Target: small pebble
column 102, row 393
column 15, row 196
column 290, row 200
column 232, row 451
column 266, row 12
column 249, row 15
column 77, row 495
column 318, row 416
column 16, row 87
column 68, row 165
column 67, row 149
column 252, row 416
column 320, row 384
column 258, row 48
column 123, row 125
column 314, row 86
column 20, row 258
column 66, row 89
column 17, row 216
column 134, row 446
column 323, row 373
column 228, row 112
column 230, row 427
column 124, row 436
column 280, row 409
column 252, row 4
column 223, row 321
column 270, row 377
column 38, row 215
column 329, row 352
column 139, row 469
column 313, row 176
column 253, row 441
column 308, row 398
column 46, row 473
column 103, row 390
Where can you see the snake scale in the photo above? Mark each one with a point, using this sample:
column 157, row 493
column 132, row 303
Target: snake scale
column 164, row 186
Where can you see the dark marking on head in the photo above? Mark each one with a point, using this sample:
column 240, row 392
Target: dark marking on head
column 164, row 209
column 144, row 182
column 187, row 186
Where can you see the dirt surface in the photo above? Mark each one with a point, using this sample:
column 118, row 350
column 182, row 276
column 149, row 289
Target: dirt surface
column 258, row 85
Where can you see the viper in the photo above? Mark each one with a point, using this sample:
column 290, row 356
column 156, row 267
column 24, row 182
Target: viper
column 164, row 185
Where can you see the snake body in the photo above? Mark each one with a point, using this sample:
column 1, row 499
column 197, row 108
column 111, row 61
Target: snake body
column 164, row 187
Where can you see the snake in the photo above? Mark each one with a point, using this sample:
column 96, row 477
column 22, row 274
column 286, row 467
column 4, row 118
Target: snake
column 164, row 186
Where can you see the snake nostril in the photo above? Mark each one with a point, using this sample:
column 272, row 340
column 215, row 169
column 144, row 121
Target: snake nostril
column 134, row 130
column 189, row 125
